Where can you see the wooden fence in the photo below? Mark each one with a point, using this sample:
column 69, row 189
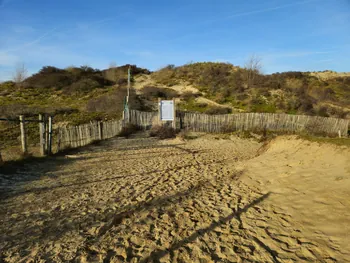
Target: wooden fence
column 143, row 119
column 77, row 136
column 249, row 122
column 81, row 135
column 45, row 132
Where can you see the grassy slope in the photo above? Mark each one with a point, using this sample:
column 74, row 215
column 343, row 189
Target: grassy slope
column 291, row 92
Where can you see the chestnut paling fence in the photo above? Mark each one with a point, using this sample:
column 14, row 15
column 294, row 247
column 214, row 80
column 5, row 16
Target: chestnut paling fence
column 81, row 135
column 248, row 122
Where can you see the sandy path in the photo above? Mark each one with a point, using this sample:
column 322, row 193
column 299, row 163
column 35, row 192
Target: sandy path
column 142, row 200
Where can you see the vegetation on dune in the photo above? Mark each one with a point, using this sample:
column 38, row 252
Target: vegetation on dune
column 189, row 103
column 67, row 92
column 247, row 89
column 81, row 94
column 152, row 93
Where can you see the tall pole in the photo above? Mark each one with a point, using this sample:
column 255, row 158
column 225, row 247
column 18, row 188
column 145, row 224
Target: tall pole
column 128, row 94
column 129, row 83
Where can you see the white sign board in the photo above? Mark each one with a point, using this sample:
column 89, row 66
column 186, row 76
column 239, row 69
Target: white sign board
column 166, row 110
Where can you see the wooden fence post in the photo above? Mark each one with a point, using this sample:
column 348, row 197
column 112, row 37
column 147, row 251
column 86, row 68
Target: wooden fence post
column 46, row 134
column 49, row 142
column 23, row 135
column 100, row 130
column 174, row 114
column 159, row 111
column 42, row 134
column 1, row 161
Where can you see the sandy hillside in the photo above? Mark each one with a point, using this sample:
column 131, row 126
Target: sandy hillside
column 146, row 80
column 325, row 75
column 204, row 200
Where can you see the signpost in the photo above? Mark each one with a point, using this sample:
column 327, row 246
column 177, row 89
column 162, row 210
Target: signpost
column 167, row 111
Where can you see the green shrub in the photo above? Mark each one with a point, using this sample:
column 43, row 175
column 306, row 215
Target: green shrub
column 214, row 110
column 113, row 102
column 189, row 95
column 153, row 92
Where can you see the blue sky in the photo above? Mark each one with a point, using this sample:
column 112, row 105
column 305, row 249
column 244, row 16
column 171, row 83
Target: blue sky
column 298, row 35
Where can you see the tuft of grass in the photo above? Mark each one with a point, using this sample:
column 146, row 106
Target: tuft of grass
column 185, row 135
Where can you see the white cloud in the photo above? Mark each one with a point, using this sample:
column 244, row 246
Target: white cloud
column 269, row 9
column 259, row 11
column 297, row 53
column 22, row 29
column 8, row 59
column 37, row 40
column 324, row 60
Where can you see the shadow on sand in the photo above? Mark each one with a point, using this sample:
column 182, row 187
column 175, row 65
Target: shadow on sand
column 158, row 254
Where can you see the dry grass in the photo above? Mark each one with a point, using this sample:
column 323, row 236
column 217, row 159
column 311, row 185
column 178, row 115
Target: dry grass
column 336, row 141
column 128, row 130
column 162, row 132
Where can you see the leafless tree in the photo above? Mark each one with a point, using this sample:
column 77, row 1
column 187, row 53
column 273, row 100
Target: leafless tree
column 253, row 69
column 20, row 73
column 112, row 64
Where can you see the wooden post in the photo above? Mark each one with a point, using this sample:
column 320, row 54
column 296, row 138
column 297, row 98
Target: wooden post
column 129, row 84
column 174, row 114
column 23, row 135
column 46, row 134
column 159, row 111
column 49, row 143
column 100, row 130
column 339, row 133
column 1, row 161
column 42, row 134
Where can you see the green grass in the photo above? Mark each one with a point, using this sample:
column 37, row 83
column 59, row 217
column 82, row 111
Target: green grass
column 192, row 105
column 269, row 108
column 335, row 141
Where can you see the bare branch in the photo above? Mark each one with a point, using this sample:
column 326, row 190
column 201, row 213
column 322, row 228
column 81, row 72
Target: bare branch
column 20, row 73
column 253, row 69
column 112, row 64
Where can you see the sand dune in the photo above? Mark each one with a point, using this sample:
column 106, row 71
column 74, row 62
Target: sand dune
column 204, row 200
column 310, row 182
